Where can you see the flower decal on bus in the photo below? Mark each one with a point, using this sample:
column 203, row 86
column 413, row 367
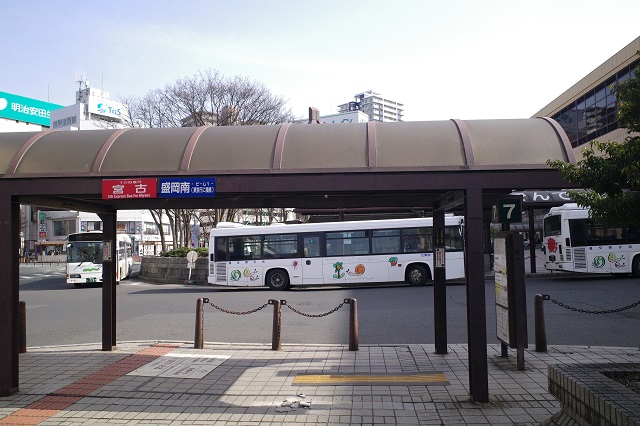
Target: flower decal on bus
column 235, row 275
column 253, row 276
column 598, row 262
column 552, row 246
column 339, row 270
column 359, row 270
column 617, row 261
column 295, row 264
column 393, row 261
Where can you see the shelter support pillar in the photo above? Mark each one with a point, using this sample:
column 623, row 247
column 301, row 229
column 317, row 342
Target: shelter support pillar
column 9, row 294
column 476, row 307
column 532, row 241
column 439, row 285
column 109, row 267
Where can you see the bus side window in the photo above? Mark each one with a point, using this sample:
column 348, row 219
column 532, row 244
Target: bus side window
column 577, row 232
column 221, row 249
column 311, row 246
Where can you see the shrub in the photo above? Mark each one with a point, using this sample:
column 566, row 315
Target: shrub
column 182, row 252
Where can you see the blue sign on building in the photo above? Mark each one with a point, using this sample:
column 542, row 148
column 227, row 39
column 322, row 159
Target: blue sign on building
column 186, row 187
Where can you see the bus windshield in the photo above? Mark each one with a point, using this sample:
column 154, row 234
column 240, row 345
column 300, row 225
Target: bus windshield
column 84, row 251
column 552, row 226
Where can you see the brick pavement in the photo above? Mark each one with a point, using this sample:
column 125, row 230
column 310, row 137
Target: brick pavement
column 247, row 384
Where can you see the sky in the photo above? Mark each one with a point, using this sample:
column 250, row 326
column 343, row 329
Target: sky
column 464, row 59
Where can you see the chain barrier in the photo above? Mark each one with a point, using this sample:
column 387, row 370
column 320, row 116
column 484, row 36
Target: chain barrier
column 277, row 320
column 284, row 302
column 234, row 312
column 587, row 311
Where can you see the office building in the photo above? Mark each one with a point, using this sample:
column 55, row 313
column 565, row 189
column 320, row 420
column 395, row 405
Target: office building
column 93, row 110
column 588, row 110
column 375, row 106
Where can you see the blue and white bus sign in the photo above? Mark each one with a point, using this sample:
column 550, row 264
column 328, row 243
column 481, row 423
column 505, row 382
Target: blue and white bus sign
column 186, row 187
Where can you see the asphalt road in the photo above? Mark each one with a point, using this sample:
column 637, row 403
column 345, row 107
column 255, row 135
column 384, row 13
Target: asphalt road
column 57, row 313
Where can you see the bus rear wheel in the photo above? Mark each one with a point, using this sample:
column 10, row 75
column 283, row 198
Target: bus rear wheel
column 277, row 279
column 416, row 275
column 635, row 266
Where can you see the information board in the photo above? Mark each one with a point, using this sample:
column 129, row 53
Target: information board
column 502, row 289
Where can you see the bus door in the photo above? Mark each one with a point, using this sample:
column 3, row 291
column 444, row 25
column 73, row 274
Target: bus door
column 311, row 259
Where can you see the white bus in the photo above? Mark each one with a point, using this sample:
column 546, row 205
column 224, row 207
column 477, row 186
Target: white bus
column 85, row 255
column 373, row 251
column 573, row 242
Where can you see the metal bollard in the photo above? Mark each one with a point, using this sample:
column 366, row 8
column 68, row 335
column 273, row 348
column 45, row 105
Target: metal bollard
column 277, row 323
column 198, row 342
column 540, row 331
column 353, row 323
column 22, row 341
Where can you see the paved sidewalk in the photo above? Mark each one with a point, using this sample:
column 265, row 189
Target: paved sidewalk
column 244, row 384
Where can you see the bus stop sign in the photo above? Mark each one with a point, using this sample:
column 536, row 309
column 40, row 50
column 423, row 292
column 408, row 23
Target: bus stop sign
column 508, row 210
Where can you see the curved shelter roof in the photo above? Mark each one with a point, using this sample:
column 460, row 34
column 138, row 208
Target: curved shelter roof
column 436, row 164
column 298, row 148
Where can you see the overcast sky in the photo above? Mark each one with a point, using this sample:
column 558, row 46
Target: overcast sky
column 468, row 59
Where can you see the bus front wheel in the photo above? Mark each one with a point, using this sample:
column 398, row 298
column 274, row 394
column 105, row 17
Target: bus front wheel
column 635, row 266
column 417, row 275
column 278, row 279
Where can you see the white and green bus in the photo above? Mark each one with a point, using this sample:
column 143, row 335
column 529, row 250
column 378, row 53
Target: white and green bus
column 368, row 251
column 572, row 242
column 85, row 256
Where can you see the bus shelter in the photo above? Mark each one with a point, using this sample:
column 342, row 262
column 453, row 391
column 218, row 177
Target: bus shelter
column 450, row 165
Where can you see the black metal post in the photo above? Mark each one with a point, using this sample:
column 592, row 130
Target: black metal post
column 277, row 324
column 540, row 330
column 353, row 324
column 198, row 341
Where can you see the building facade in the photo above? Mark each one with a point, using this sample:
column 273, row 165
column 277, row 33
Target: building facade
column 588, row 110
column 375, row 106
column 93, row 110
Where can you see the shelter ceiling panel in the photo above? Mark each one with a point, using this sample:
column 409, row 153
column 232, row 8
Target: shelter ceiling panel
column 234, row 147
column 147, row 150
column 328, row 146
column 63, row 152
column 419, row 144
column 11, row 144
column 514, row 142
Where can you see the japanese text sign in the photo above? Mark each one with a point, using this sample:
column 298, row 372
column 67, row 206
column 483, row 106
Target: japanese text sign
column 113, row 189
column 187, row 187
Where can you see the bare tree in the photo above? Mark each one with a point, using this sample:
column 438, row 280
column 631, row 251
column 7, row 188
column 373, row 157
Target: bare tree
column 206, row 98
column 209, row 98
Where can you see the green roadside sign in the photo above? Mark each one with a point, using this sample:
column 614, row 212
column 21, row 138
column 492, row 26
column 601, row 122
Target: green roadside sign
column 508, row 210
column 14, row 107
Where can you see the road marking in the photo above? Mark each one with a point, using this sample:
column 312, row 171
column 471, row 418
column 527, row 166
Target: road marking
column 371, row 379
